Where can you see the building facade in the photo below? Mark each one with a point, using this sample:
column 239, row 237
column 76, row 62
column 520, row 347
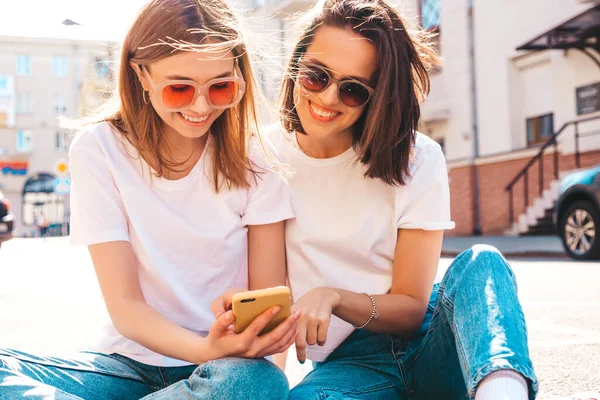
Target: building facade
column 41, row 81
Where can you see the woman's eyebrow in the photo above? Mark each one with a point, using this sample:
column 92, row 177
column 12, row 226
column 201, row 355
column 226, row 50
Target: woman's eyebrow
column 187, row 78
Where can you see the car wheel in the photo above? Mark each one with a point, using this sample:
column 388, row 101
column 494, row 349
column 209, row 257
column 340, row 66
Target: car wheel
column 578, row 229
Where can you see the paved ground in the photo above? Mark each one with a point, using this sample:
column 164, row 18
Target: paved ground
column 50, row 303
column 509, row 245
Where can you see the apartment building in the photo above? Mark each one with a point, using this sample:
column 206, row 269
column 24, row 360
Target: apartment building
column 63, row 74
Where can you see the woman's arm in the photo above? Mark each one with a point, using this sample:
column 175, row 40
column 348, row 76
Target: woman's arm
column 266, row 255
column 401, row 312
column 266, row 263
column 133, row 318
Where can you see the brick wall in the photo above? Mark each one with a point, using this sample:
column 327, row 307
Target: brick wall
column 494, row 201
column 461, row 200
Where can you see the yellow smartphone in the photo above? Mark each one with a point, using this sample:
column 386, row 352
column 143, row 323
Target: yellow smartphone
column 247, row 306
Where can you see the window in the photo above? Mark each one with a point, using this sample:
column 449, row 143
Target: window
column 59, row 66
column 102, row 68
column 430, row 14
column 23, row 103
column 60, row 104
column 24, row 141
column 59, row 142
column 23, row 65
column 540, row 129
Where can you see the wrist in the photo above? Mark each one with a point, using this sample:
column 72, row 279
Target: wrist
column 203, row 352
column 335, row 297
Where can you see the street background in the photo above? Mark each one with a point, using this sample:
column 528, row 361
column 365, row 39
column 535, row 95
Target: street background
column 515, row 107
column 50, row 303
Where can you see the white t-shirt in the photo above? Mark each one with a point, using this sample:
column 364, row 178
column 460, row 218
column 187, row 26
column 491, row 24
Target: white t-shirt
column 346, row 226
column 190, row 242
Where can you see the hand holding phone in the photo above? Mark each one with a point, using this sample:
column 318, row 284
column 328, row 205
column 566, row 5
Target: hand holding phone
column 247, row 306
column 248, row 338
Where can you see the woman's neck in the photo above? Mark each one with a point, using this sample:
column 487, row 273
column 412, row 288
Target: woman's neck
column 327, row 147
column 183, row 151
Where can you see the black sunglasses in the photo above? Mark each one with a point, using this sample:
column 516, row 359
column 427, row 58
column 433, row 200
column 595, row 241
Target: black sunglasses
column 316, row 78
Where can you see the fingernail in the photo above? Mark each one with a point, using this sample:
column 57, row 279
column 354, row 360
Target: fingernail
column 276, row 310
column 296, row 314
column 302, row 362
column 228, row 317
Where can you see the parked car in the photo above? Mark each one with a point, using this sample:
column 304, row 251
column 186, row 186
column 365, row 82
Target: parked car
column 6, row 220
column 577, row 214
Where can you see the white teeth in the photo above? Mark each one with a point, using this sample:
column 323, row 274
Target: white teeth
column 194, row 119
column 322, row 113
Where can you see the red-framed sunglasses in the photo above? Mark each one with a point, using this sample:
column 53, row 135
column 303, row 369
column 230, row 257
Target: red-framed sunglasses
column 177, row 95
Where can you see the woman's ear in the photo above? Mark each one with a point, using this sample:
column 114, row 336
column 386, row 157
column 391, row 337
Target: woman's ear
column 138, row 71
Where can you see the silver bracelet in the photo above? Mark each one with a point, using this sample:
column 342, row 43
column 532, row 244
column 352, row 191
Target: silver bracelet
column 374, row 313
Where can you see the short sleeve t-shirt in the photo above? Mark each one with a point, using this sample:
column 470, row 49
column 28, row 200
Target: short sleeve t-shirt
column 346, row 226
column 190, row 242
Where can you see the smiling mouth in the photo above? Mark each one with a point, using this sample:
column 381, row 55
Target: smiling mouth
column 322, row 114
column 194, row 119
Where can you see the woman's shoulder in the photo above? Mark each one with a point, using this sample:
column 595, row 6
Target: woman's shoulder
column 427, row 162
column 265, row 151
column 425, row 150
column 92, row 137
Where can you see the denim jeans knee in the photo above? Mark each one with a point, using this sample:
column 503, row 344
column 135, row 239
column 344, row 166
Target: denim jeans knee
column 244, row 378
column 481, row 310
column 479, row 260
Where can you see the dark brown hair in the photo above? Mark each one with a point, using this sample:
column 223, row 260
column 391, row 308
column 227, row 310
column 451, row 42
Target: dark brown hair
column 385, row 133
column 164, row 28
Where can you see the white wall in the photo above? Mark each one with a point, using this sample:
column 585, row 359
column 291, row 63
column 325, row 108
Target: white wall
column 501, row 26
column 576, row 70
column 456, row 77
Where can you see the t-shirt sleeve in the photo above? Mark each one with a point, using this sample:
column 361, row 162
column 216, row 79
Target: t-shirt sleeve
column 269, row 198
column 97, row 211
column 424, row 203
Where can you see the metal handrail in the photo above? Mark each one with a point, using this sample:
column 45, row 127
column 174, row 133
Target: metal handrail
column 524, row 172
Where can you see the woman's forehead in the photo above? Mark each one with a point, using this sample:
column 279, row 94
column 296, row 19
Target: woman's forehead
column 343, row 51
column 200, row 66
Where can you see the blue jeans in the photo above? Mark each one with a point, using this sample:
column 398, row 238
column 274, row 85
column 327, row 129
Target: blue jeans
column 94, row 376
column 474, row 325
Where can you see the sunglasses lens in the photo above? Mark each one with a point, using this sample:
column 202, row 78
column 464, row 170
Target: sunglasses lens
column 178, row 96
column 223, row 93
column 313, row 79
column 353, row 94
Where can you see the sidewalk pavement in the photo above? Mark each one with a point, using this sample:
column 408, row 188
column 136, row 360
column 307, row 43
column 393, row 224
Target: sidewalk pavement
column 514, row 246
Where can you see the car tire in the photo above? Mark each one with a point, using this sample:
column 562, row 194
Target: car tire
column 578, row 215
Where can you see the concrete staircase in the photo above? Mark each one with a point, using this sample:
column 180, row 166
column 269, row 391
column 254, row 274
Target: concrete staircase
column 537, row 218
